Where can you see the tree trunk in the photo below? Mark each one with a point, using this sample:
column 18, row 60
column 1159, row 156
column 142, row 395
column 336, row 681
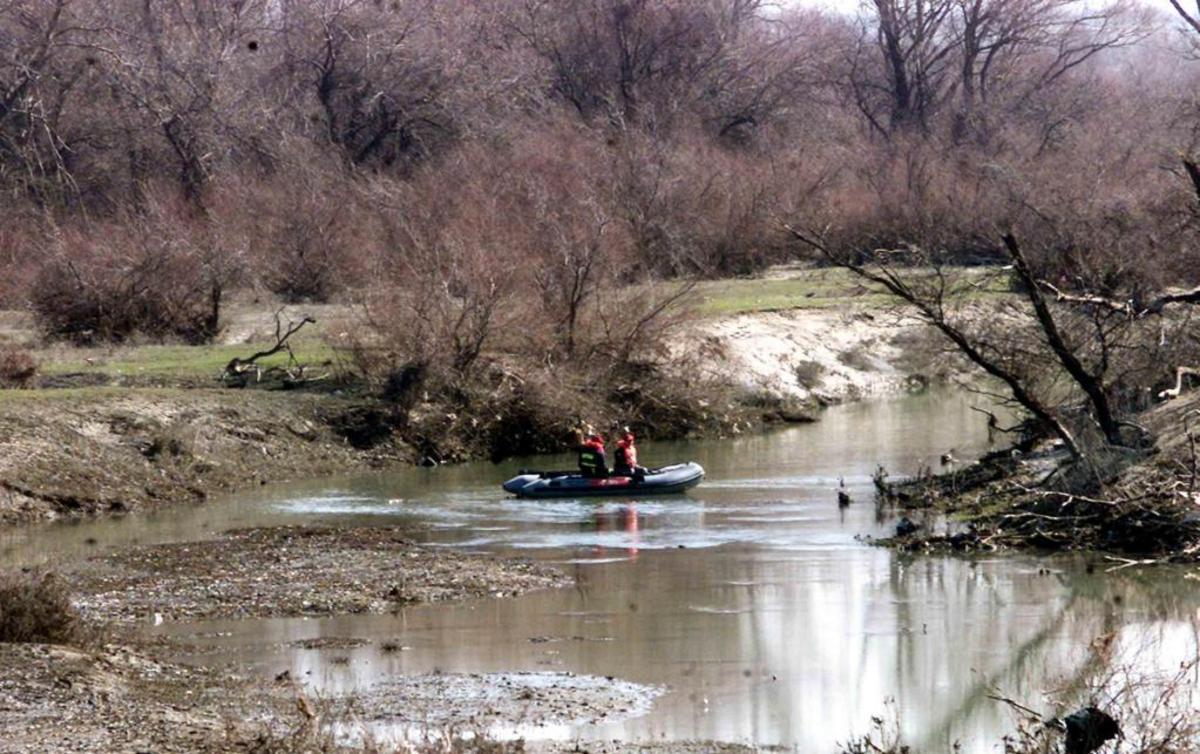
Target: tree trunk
column 1090, row 384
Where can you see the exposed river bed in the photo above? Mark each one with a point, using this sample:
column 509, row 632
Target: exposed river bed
column 750, row 605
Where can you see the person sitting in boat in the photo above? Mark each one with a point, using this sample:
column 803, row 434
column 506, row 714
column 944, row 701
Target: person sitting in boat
column 625, row 459
column 592, row 463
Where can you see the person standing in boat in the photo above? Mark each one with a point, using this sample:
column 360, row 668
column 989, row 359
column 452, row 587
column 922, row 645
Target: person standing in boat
column 625, row 458
column 592, row 463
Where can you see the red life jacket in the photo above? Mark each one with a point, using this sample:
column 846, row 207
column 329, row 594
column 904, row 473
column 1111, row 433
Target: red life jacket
column 626, row 455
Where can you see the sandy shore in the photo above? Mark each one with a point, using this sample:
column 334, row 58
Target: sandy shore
column 821, row 356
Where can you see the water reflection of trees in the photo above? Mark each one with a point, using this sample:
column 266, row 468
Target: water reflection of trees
column 1070, row 608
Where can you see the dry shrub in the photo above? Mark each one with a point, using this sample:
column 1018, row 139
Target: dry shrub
column 36, row 608
column 18, row 367
column 1155, row 709
column 907, row 192
column 513, row 291
column 309, row 230
column 695, row 207
column 539, row 412
column 19, row 260
column 160, row 274
column 445, row 286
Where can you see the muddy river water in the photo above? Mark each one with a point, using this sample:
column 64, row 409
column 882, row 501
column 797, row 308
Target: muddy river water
column 750, row 602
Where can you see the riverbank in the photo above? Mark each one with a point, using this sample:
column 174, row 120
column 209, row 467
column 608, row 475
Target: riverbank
column 112, row 430
column 116, row 700
column 1135, row 507
column 142, row 428
column 705, row 596
column 129, row 697
column 91, row 451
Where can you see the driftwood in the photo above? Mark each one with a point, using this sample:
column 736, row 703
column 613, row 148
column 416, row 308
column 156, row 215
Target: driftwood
column 237, row 372
column 1133, row 308
column 1180, row 373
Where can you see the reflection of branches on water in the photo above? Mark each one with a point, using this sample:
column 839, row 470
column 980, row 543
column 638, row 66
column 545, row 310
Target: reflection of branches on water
column 1156, row 706
column 1155, row 709
column 987, row 683
column 1092, row 605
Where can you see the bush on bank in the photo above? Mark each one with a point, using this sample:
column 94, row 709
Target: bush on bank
column 36, row 608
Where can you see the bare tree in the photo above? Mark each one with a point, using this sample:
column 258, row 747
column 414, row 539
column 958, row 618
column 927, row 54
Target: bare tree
column 637, row 61
column 378, row 74
column 932, row 293
column 961, row 56
column 1191, row 18
column 172, row 63
column 40, row 67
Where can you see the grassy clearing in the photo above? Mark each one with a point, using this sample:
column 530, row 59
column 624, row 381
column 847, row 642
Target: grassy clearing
column 819, row 288
column 780, row 290
column 171, row 361
column 251, row 324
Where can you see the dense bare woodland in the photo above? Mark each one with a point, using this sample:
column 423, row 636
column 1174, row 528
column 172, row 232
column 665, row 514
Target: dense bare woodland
column 505, row 177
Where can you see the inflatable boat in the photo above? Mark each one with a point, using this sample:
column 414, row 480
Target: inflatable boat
column 664, row 481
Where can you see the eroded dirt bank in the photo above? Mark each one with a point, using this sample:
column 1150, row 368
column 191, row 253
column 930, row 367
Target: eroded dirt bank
column 69, row 453
column 823, row 356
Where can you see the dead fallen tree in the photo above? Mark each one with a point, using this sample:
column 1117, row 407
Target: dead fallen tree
column 1147, row 514
column 240, row 372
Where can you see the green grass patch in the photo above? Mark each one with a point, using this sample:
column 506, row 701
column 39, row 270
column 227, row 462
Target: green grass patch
column 172, row 361
column 819, row 288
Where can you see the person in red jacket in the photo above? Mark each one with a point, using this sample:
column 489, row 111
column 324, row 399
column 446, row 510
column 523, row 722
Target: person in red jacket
column 625, row 459
column 592, row 463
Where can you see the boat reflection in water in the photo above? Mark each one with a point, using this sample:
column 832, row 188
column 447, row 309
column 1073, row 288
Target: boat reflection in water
column 621, row 518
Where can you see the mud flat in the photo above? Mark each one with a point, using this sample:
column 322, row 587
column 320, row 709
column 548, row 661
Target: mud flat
column 293, row 571
column 500, row 704
column 119, row 701
column 112, row 699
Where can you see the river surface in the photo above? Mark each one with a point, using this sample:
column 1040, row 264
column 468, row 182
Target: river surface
column 751, row 601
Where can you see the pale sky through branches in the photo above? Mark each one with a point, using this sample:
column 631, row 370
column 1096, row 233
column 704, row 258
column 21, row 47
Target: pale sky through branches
column 851, row 6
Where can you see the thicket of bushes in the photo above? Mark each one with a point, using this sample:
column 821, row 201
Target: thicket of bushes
column 499, row 179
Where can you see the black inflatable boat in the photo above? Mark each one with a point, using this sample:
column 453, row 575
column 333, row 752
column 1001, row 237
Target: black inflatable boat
column 664, row 481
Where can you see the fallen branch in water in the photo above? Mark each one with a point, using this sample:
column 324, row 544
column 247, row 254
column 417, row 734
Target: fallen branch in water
column 1130, row 563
